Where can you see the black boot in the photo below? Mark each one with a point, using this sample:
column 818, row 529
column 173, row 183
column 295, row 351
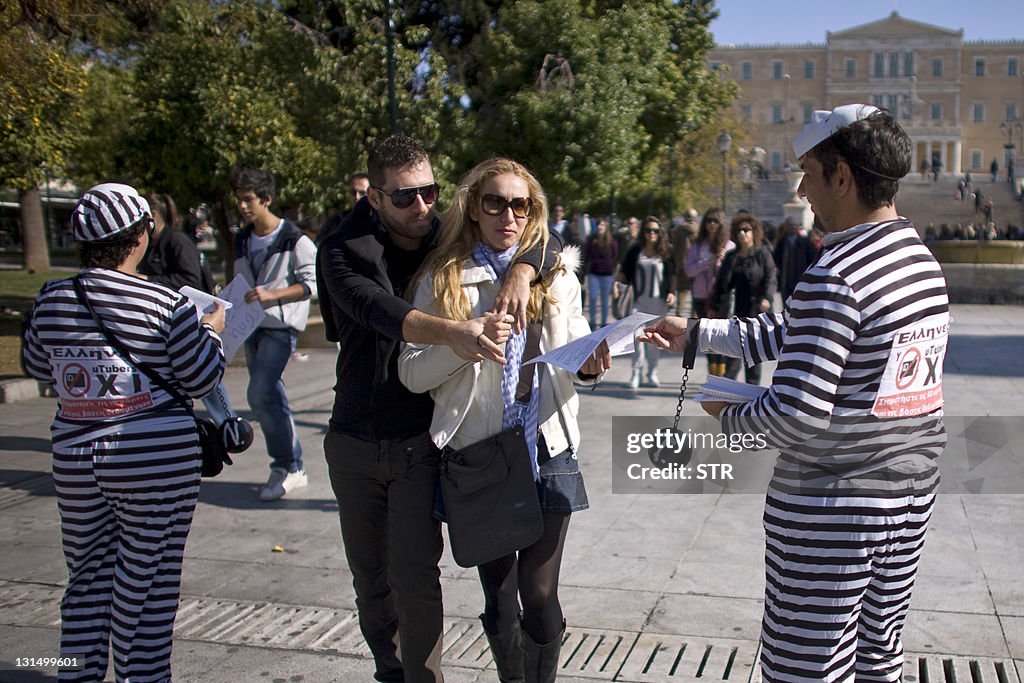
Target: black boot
column 541, row 661
column 507, row 650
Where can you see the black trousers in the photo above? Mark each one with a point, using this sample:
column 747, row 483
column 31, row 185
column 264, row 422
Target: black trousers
column 385, row 493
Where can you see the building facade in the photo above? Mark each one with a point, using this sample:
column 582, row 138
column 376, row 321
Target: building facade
column 962, row 102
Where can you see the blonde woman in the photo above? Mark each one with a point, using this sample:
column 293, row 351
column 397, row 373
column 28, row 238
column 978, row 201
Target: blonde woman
column 499, row 213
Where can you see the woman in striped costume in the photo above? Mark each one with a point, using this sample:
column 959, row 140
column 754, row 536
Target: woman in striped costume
column 125, row 452
column 854, row 409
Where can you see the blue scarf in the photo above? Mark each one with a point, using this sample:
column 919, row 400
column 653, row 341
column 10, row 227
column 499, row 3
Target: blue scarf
column 497, row 263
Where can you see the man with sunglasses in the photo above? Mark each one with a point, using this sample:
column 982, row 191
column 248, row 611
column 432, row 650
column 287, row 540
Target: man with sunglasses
column 382, row 464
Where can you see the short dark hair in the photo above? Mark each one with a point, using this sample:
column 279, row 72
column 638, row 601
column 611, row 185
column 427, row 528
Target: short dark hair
column 393, row 152
column 259, row 182
column 358, row 176
column 878, row 151
column 112, row 252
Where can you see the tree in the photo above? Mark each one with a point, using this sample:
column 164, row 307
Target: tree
column 41, row 86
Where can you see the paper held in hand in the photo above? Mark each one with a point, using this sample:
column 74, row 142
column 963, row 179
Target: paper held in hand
column 204, row 302
column 728, row 391
column 619, row 335
column 240, row 318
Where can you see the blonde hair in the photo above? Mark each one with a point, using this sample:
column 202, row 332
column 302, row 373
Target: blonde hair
column 460, row 234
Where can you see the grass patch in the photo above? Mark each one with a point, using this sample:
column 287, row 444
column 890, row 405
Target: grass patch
column 18, row 290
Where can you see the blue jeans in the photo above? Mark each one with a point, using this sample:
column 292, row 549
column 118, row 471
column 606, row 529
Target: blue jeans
column 266, row 353
column 219, row 410
column 599, row 286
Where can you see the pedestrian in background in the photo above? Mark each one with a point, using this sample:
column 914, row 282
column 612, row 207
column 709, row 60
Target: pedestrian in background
column 649, row 269
column 278, row 262
column 600, row 261
column 702, row 262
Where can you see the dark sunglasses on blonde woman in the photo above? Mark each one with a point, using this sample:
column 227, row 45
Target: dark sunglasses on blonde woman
column 495, row 205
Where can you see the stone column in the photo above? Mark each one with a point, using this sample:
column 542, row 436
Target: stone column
column 797, row 207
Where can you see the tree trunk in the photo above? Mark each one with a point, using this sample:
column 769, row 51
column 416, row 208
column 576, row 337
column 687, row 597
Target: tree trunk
column 33, row 231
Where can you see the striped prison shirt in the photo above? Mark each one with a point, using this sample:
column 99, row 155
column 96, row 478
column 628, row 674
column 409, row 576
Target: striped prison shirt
column 855, row 402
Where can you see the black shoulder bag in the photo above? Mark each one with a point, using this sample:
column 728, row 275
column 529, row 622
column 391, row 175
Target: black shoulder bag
column 211, row 446
column 490, row 496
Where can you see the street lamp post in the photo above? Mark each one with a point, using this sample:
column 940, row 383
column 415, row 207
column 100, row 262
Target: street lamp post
column 724, row 143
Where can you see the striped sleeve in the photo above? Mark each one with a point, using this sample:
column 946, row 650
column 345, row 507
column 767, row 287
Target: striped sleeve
column 195, row 352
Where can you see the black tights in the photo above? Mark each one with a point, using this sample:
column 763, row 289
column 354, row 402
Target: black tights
column 532, row 575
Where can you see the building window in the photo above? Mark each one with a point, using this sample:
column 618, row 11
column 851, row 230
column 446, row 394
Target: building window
column 979, row 67
column 878, row 100
column 776, row 160
column 976, row 159
column 747, row 71
column 808, row 69
column 851, row 68
column 716, row 66
column 879, row 68
column 746, row 112
column 894, row 64
column 776, row 113
column 808, row 113
column 978, row 112
column 1012, row 66
column 1011, row 112
column 937, row 67
column 777, row 70
column 936, row 111
column 908, row 64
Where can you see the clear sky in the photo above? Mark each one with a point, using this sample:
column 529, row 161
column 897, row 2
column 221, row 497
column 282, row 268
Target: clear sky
column 787, row 21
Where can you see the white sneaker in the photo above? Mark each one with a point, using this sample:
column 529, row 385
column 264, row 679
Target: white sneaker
column 281, row 482
column 652, row 380
column 634, row 380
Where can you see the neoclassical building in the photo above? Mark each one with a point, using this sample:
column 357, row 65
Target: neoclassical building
column 962, row 102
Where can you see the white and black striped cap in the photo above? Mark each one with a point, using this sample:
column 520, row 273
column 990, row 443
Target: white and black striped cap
column 106, row 210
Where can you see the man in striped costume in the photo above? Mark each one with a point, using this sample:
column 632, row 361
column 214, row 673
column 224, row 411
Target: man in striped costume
column 854, row 409
column 125, row 452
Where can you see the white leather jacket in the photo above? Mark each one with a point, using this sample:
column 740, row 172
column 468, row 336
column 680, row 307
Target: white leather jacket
column 467, row 396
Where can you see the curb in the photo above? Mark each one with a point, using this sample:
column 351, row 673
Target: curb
column 20, row 389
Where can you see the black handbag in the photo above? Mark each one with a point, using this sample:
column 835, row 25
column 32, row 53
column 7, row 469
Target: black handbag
column 490, row 498
column 211, row 446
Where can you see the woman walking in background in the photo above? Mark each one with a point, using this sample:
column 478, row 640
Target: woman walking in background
column 702, row 262
column 599, row 265
column 746, row 284
column 648, row 268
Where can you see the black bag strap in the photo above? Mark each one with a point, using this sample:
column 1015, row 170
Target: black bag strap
column 149, row 372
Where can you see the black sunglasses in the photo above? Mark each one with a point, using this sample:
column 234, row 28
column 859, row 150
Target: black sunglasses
column 403, row 197
column 653, row 231
column 495, row 205
column 744, row 229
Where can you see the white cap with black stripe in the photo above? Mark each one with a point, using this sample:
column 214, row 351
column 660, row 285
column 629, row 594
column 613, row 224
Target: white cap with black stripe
column 107, row 209
column 825, row 124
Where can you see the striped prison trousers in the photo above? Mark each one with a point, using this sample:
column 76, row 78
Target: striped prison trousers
column 839, row 573
column 126, row 498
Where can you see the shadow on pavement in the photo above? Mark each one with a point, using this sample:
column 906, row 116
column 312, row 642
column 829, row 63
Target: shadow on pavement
column 25, row 443
column 11, row 675
column 244, row 496
column 970, row 354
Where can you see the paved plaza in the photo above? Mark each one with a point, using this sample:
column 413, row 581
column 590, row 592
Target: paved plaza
column 654, row 587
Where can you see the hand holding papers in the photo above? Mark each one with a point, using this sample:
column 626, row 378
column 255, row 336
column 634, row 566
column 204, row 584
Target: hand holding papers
column 728, row 391
column 242, row 318
column 619, row 336
column 205, row 303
